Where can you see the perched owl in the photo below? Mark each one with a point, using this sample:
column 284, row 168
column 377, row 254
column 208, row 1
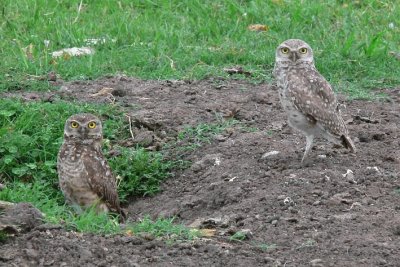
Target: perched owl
column 307, row 97
column 85, row 177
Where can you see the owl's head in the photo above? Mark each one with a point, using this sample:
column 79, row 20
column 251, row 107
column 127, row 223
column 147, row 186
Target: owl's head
column 294, row 52
column 83, row 128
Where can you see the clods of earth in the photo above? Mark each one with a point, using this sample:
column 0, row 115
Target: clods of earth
column 338, row 209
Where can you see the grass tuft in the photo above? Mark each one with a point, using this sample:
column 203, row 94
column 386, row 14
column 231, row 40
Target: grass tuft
column 164, row 228
column 196, row 39
column 30, row 137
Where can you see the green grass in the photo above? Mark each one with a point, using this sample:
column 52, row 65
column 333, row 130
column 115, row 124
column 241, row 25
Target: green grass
column 30, row 136
column 202, row 133
column 163, row 228
column 194, row 39
column 50, row 202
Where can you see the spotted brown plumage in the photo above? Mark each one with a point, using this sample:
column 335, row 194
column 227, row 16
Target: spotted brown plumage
column 85, row 177
column 307, row 97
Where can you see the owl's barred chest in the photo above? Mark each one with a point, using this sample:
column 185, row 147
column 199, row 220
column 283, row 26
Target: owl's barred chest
column 71, row 164
column 286, row 99
column 296, row 118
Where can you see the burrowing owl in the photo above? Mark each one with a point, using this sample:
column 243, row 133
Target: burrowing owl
column 85, row 177
column 307, row 97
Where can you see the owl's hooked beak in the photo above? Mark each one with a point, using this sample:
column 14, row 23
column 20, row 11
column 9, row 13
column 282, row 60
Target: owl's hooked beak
column 82, row 130
column 293, row 56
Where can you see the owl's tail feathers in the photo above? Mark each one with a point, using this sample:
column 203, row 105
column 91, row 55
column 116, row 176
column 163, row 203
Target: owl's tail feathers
column 348, row 143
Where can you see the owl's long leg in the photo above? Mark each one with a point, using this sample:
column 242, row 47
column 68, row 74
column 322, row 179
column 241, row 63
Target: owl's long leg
column 309, row 142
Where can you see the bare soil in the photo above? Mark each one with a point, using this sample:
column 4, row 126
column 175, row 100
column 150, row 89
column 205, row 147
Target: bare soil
column 338, row 209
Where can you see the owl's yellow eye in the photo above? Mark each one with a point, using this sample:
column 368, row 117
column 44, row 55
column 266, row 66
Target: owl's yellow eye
column 303, row 50
column 92, row 125
column 285, row 50
column 74, row 124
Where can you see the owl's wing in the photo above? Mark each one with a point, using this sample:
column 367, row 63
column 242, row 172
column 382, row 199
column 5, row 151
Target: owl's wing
column 313, row 96
column 102, row 181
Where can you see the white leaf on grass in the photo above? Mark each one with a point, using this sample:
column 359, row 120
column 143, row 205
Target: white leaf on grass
column 73, row 52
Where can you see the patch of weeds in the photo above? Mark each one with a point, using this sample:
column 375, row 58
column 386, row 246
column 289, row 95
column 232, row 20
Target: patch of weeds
column 43, row 195
column 194, row 137
column 31, row 134
column 248, row 129
column 238, row 236
column 140, row 172
column 269, row 132
column 51, row 203
column 215, row 36
column 3, row 236
column 90, row 221
column 30, row 137
column 163, row 228
column 24, row 84
column 203, row 133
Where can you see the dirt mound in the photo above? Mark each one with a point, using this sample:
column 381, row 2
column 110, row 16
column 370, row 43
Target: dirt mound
column 340, row 209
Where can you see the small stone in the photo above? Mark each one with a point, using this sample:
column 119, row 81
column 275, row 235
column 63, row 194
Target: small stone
column 118, row 92
column 32, row 253
column 85, row 254
column 349, row 175
column 196, row 223
column 270, row 219
column 281, row 197
column 345, row 216
column 220, row 138
column 373, row 170
column 247, row 233
column 147, row 236
column 269, row 154
column 396, row 230
column 316, row 192
column 8, row 254
column 144, row 138
column 292, row 220
column 317, row 263
column 316, row 203
column 274, row 222
column 268, row 259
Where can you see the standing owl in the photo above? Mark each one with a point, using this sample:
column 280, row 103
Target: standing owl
column 307, row 97
column 85, row 177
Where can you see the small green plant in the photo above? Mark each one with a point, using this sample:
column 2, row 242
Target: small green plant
column 90, row 221
column 203, row 132
column 140, row 172
column 163, row 227
column 3, row 236
column 238, row 236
